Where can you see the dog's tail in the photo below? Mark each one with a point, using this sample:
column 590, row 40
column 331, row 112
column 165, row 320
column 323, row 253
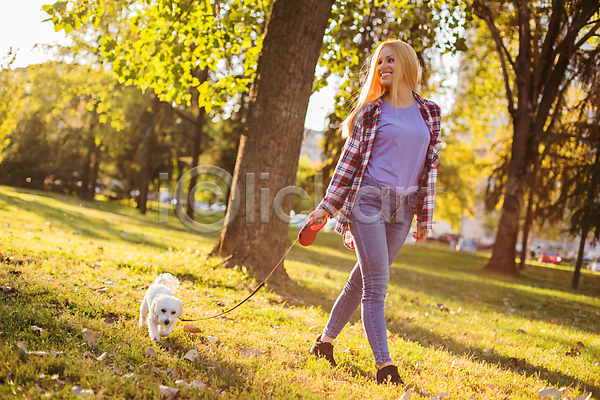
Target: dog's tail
column 169, row 281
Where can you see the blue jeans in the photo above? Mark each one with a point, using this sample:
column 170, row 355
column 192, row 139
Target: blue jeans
column 379, row 234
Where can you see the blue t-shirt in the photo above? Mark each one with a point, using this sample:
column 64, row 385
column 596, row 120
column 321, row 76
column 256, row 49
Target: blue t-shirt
column 400, row 147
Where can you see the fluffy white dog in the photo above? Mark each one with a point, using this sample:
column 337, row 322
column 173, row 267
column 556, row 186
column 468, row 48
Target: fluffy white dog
column 160, row 308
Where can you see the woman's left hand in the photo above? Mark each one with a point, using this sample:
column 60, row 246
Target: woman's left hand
column 420, row 234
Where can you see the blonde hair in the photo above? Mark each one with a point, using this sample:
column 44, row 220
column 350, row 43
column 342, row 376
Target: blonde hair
column 372, row 88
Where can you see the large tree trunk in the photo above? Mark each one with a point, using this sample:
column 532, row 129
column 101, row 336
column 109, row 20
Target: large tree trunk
column 504, row 252
column 270, row 144
column 529, row 215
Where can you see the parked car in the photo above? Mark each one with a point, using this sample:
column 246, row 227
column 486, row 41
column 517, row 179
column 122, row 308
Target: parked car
column 467, row 245
column 549, row 256
column 537, row 248
column 594, row 265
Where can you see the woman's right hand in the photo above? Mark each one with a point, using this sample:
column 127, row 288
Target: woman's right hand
column 317, row 217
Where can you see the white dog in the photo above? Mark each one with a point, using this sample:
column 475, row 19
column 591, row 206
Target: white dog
column 160, row 309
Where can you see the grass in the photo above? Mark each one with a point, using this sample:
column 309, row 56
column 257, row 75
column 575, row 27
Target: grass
column 453, row 328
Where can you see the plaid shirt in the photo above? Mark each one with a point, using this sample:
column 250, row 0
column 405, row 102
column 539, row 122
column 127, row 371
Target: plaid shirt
column 347, row 177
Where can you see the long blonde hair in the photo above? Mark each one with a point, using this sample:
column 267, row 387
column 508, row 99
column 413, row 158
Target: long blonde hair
column 372, row 88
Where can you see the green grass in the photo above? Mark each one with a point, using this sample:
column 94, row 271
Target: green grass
column 453, row 328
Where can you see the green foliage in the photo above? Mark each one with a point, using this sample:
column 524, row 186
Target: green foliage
column 162, row 45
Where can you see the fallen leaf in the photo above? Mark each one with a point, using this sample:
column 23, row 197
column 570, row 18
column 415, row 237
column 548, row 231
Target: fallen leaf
column 191, row 355
column 130, row 376
column 150, row 352
column 91, row 337
column 55, row 353
column 167, row 391
column 579, row 344
column 22, row 350
column 573, row 352
column 197, row 384
column 101, row 357
column 251, row 352
column 550, row 393
column 88, row 354
column 521, row 330
column 7, row 289
column 584, row 397
column 191, row 329
column 77, row 391
column 182, row 383
column 37, row 329
column 351, row 351
column 407, row 395
column 212, row 339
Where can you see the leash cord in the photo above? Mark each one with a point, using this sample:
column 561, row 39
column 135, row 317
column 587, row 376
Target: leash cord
column 263, row 283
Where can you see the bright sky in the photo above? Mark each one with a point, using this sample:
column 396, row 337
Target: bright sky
column 21, row 28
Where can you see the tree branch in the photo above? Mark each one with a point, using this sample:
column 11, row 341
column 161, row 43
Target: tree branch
column 548, row 53
column 588, row 35
column 484, row 13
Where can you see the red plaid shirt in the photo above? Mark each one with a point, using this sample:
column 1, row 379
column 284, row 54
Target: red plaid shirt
column 343, row 188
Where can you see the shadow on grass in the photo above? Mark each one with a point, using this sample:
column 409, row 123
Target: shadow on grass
column 86, row 225
column 537, row 294
column 426, row 338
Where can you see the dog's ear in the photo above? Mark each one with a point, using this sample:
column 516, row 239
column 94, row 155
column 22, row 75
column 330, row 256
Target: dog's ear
column 153, row 306
column 179, row 308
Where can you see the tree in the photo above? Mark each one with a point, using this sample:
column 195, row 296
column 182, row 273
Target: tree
column 9, row 100
column 270, row 143
column 536, row 43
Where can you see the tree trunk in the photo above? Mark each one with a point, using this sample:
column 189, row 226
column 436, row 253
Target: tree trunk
column 577, row 273
column 504, row 252
column 94, row 176
column 85, row 173
column 197, row 145
column 270, row 144
column 529, row 215
column 145, row 179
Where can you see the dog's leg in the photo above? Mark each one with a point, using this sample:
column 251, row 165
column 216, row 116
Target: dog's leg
column 144, row 313
column 153, row 331
column 166, row 330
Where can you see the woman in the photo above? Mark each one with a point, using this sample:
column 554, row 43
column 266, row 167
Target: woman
column 386, row 173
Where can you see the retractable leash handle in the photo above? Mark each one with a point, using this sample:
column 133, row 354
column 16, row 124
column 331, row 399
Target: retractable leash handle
column 308, row 234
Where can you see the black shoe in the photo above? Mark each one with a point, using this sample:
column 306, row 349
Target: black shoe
column 323, row 349
column 389, row 374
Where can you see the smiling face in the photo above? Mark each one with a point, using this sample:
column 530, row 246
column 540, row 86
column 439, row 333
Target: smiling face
column 388, row 68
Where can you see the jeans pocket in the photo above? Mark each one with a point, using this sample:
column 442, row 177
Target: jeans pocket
column 411, row 201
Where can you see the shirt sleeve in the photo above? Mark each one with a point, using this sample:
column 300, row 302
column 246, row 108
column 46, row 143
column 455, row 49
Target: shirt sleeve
column 428, row 181
column 345, row 170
